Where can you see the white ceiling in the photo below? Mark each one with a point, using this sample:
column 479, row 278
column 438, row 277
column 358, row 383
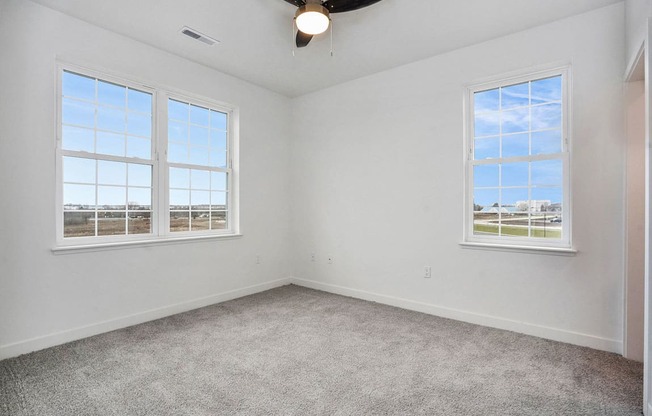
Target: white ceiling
column 256, row 41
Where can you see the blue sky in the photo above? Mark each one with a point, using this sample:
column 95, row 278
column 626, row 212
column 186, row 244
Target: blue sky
column 519, row 120
column 104, row 118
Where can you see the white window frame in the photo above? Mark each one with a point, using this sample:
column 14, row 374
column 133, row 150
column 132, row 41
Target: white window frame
column 545, row 244
column 164, row 96
column 160, row 221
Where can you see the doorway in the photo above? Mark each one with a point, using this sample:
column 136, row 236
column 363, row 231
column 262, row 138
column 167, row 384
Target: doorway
column 634, row 314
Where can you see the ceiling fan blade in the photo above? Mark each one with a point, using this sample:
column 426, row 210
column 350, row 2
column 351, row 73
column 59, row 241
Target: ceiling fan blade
column 303, row 39
column 340, row 6
column 297, row 3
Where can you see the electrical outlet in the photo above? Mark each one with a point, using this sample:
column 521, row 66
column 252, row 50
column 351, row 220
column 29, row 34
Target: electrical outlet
column 330, row 259
column 258, row 259
column 427, row 272
column 313, row 258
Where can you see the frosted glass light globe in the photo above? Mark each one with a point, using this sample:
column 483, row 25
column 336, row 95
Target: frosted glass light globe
column 312, row 19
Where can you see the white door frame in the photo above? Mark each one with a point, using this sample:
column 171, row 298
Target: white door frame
column 647, row 376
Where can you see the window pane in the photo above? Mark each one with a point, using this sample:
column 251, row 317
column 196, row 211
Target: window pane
column 111, row 173
column 218, row 140
column 111, row 198
column 198, row 136
column 111, row 94
column 139, row 125
column 140, row 101
column 78, row 170
column 179, row 199
column 547, row 116
column 545, row 90
column 110, row 223
column 140, row 175
column 177, row 132
column 514, row 174
column 486, row 100
column 199, row 200
column 548, row 141
column 200, row 221
column 218, row 200
column 486, row 148
column 110, row 143
column 78, row 139
column 199, row 115
column 218, row 159
column 200, row 179
column 516, row 145
column 140, row 223
column 546, row 206
column 179, row 178
column 78, row 224
column 485, row 175
column 514, row 212
column 177, row 153
column 78, row 113
column 515, row 96
column 218, row 120
column 77, row 197
column 487, row 124
column 199, row 155
column 78, row 86
column 218, row 181
column 179, row 221
column 485, row 211
column 178, row 110
column 547, row 173
column 219, row 220
column 516, row 121
column 111, row 119
column 137, row 147
column 139, row 199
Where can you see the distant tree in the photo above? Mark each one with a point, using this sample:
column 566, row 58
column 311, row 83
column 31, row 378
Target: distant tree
column 495, row 205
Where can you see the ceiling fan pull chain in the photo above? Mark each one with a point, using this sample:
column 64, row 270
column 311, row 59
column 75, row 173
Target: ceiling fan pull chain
column 294, row 22
column 331, row 25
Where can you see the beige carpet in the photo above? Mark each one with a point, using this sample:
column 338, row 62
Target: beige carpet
column 296, row 351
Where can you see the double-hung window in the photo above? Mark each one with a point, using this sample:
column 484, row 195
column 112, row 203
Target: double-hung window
column 517, row 164
column 140, row 163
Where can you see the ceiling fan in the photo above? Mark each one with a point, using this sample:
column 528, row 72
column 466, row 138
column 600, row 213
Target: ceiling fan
column 312, row 16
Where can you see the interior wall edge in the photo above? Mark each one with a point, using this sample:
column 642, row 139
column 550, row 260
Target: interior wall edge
column 57, row 338
column 554, row 334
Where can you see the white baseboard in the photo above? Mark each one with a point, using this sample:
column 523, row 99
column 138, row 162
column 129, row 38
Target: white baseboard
column 554, row 334
column 57, row 338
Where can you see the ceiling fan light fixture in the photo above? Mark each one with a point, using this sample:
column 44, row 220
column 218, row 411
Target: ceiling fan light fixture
column 312, row 19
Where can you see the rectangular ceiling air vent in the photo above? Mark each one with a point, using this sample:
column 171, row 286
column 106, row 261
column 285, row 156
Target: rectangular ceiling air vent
column 198, row 36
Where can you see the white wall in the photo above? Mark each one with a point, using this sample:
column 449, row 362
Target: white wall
column 378, row 184
column 42, row 294
column 636, row 14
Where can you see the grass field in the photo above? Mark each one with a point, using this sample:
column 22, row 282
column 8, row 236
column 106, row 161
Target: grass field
column 517, row 231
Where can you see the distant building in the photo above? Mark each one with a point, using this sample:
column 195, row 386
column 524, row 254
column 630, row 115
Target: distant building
column 503, row 210
column 534, row 205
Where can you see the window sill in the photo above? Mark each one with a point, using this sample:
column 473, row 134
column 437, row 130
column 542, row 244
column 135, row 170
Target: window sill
column 119, row 245
column 555, row 251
